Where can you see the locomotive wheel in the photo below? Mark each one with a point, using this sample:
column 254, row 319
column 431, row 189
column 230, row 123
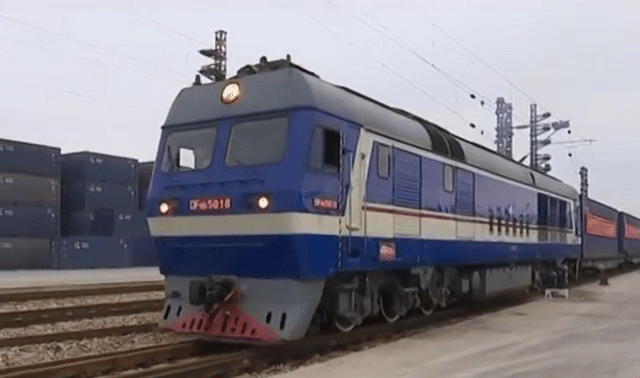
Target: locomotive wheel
column 389, row 306
column 343, row 324
column 427, row 305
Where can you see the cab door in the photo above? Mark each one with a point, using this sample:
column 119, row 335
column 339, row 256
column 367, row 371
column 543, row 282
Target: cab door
column 353, row 229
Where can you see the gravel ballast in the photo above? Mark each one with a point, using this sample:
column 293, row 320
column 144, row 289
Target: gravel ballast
column 41, row 353
column 78, row 301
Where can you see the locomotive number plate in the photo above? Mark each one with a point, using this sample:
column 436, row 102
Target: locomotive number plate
column 210, row 204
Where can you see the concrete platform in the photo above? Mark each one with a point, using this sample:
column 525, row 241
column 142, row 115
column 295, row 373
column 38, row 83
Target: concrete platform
column 594, row 333
column 35, row 278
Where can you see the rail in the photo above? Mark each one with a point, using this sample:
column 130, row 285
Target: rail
column 16, row 319
column 68, row 291
column 77, row 335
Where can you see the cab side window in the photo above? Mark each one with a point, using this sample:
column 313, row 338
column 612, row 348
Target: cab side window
column 324, row 153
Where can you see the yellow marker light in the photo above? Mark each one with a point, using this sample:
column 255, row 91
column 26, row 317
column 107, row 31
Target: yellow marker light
column 263, row 203
column 164, row 208
column 230, row 93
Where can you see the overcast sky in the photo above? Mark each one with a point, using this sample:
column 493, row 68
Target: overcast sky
column 100, row 76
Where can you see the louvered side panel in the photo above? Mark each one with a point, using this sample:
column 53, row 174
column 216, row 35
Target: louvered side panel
column 464, row 192
column 406, row 181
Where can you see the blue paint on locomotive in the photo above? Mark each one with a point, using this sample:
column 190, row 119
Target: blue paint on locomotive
column 258, row 256
column 379, row 189
column 434, row 197
column 316, row 256
column 290, row 184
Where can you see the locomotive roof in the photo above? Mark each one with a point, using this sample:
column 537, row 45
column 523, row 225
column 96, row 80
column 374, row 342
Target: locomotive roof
column 272, row 86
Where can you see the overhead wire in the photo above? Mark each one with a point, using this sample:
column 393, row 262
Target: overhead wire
column 487, row 65
column 391, row 36
column 490, row 67
column 452, row 78
column 132, row 69
column 89, row 44
column 389, row 69
column 388, row 34
column 40, row 86
column 173, row 30
column 166, row 27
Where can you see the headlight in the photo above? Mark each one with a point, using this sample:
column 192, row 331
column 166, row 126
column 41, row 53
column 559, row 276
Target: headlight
column 164, row 208
column 263, row 202
column 230, row 93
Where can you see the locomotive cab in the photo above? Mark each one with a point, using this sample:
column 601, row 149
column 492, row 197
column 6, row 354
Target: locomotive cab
column 245, row 206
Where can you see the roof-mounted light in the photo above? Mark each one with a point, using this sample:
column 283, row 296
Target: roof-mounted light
column 230, row 93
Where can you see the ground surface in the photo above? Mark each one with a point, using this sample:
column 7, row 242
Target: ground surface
column 31, row 278
column 594, row 333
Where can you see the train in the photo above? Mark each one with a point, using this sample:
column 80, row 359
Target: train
column 281, row 204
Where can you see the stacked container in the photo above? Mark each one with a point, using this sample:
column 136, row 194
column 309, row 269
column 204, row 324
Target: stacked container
column 143, row 250
column 100, row 212
column 29, row 205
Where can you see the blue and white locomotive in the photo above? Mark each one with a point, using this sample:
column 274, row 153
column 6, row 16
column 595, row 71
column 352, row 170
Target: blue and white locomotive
column 280, row 202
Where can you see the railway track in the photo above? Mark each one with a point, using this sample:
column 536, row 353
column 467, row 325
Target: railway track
column 258, row 358
column 21, row 319
column 219, row 359
column 199, row 360
column 100, row 364
column 16, row 319
column 70, row 291
column 77, row 335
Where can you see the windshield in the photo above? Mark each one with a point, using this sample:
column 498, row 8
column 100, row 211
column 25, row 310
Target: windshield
column 257, row 142
column 189, row 150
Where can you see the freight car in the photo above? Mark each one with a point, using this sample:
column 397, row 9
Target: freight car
column 281, row 202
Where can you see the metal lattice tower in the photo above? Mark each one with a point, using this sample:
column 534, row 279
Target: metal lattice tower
column 533, row 136
column 504, row 128
column 216, row 71
column 220, row 58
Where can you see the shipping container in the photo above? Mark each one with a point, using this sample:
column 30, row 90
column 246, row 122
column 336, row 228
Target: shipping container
column 88, row 252
column 82, row 167
column 105, row 222
column 29, row 158
column 28, row 189
column 27, row 253
column 29, row 221
column 629, row 235
column 600, row 235
column 105, row 195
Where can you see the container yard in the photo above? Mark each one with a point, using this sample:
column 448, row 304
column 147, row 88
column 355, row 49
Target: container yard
column 80, row 210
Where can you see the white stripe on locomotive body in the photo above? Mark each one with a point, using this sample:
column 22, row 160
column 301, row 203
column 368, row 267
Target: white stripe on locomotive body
column 361, row 218
column 244, row 224
column 380, row 225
